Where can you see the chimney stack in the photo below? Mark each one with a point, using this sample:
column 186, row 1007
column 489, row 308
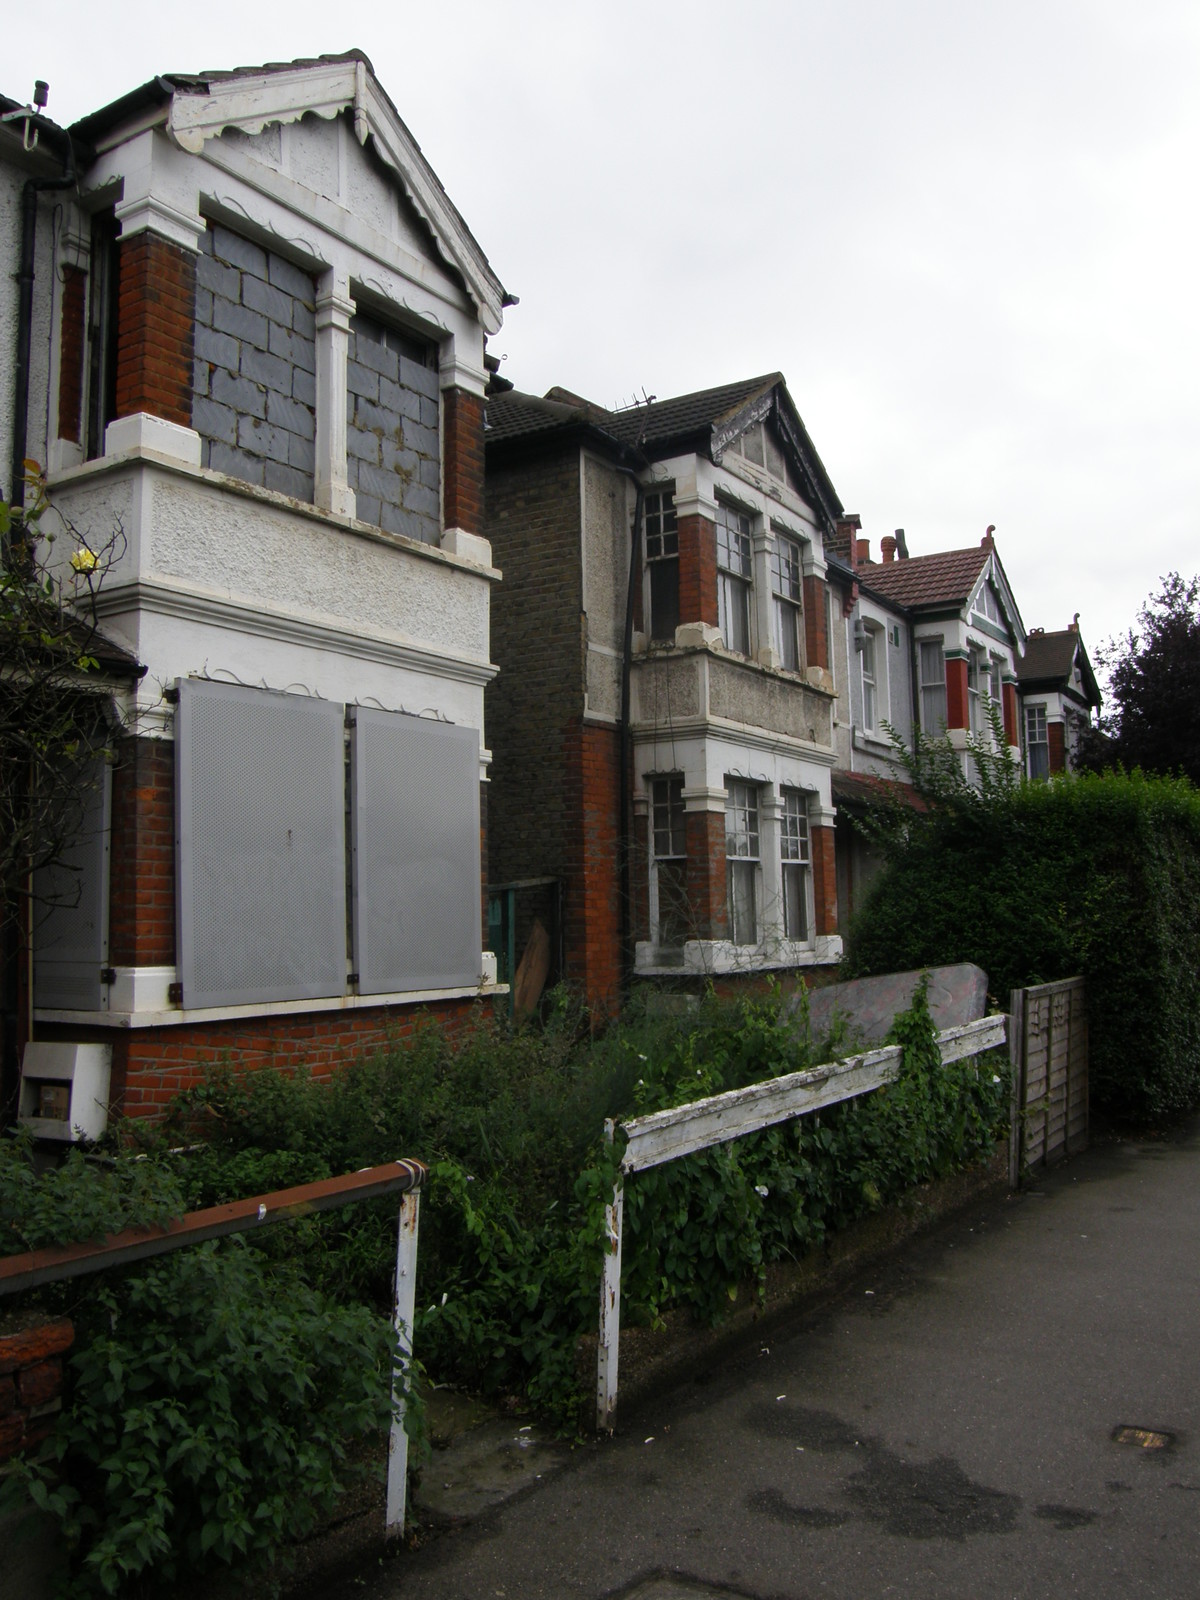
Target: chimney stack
column 862, row 552
column 987, row 542
column 841, row 541
column 887, row 546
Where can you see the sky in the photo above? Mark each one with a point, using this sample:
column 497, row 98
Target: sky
column 967, row 234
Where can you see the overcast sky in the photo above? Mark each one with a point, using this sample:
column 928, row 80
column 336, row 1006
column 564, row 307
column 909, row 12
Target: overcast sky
column 966, row 233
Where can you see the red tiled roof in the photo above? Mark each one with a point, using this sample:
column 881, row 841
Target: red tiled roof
column 945, row 578
column 867, row 788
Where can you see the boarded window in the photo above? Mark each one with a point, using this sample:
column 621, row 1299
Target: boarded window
column 70, row 916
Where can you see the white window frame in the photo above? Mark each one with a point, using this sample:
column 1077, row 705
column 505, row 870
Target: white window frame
column 1037, row 737
column 870, row 694
column 933, row 686
column 743, row 857
column 668, row 852
column 735, row 578
column 787, row 585
column 795, row 854
column 661, row 529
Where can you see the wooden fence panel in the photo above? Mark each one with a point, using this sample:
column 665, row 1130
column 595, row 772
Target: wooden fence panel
column 1050, row 1070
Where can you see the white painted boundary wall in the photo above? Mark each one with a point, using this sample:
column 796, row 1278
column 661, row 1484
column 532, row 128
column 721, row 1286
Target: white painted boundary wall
column 682, row 1130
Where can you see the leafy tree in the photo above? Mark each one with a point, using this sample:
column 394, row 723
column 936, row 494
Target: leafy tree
column 1154, row 688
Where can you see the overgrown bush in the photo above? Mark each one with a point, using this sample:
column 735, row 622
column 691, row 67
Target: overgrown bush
column 1098, row 876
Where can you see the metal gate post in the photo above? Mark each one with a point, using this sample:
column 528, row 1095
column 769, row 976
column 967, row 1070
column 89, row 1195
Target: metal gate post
column 405, row 1306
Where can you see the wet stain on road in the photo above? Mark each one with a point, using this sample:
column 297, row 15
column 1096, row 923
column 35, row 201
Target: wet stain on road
column 1066, row 1517
column 809, row 1430
column 770, row 1503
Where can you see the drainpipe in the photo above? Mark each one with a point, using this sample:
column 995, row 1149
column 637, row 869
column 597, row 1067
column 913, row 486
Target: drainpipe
column 32, row 188
column 624, row 840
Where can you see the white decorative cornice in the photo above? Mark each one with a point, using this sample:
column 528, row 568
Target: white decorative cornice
column 150, row 213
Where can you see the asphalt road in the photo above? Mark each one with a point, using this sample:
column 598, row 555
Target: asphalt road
column 947, row 1427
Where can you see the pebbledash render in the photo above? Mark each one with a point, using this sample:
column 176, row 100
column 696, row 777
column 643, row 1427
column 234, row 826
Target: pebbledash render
column 260, row 323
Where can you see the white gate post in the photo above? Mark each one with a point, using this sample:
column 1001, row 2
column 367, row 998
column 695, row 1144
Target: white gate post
column 405, row 1302
column 608, row 1349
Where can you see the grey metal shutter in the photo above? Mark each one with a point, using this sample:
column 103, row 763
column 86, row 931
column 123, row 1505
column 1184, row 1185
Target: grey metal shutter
column 261, row 840
column 70, row 914
column 417, row 900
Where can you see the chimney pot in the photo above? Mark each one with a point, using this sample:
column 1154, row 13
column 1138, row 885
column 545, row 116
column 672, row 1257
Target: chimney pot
column 887, row 546
column 862, row 551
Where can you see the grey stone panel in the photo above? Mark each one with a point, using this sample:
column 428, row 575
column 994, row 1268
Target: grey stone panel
column 204, row 305
column 304, row 387
column 352, row 472
column 199, row 383
column 243, row 324
column 398, row 458
column 421, row 500
column 405, row 402
column 292, row 347
column 239, row 393
column 270, row 370
column 292, row 280
column 213, row 421
column 369, row 509
column 365, row 446
column 273, row 303
column 380, row 484
column 302, row 454
column 430, row 474
column 261, row 439
column 375, row 419
column 361, row 380
column 429, row 413
column 378, row 357
column 423, row 379
column 286, row 480
column 218, row 278
column 228, row 459
column 304, row 320
column 397, row 520
column 423, row 440
column 231, row 247
column 219, row 348
column 290, row 414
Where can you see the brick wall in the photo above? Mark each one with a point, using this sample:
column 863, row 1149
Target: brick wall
column 141, row 914
column 1008, row 695
column 152, row 1065
column 31, row 1384
column 697, row 570
column 706, row 873
column 71, row 354
column 255, row 360
column 956, row 693
column 156, row 299
column 824, row 880
column 393, row 458
column 534, row 707
column 1056, row 735
column 592, row 908
column 464, row 471
column 816, row 634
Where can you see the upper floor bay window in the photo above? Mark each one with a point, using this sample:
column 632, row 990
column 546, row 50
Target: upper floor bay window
column 976, row 681
column 742, row 860
column 668, row 827
column 796, row 865
column 662, row 563
column 786, row 579
column 1037, row 742
column 869, row 695
column 734, row 569
column 933, row 687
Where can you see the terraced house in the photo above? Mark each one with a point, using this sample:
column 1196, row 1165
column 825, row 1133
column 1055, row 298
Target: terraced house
column 663, row 720
column 257, row 348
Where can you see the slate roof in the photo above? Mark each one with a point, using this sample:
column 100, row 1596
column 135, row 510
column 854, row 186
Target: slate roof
column 663, row 421
column 513, row 415
column 944, row 578
column 1050, row 659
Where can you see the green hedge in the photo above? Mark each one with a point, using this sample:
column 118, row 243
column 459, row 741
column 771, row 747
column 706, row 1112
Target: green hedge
column 1098, row 876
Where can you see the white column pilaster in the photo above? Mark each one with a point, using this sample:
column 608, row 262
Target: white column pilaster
column 334, row 310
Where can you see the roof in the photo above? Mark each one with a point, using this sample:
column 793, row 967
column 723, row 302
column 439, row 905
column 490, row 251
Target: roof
column 706, row 420
column 945, row 578
column 1050, row 659
column 868, row 789
column 200, row 106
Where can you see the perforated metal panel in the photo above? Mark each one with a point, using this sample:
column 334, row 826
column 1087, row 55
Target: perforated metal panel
column 70, row 917
column 416, row 854
column 261, row 845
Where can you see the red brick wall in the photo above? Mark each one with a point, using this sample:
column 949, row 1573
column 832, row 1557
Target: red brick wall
column 824, row 880
column 956, row 694
column 706, row 873
column 1056, row 738
column 462, row 460
column 1009, row 697
column 155, row 319
column 31, row 1384
column 152, row 1065
column 71, row 354
column 816, row 634
column 141, row 917
column 697, row 570
column 593, row 897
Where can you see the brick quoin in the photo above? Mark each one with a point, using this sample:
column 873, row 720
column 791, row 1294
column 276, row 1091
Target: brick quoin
column 705, row 833
column 697, row 570
column 1056, row 738
column 71, row 354
column 824, row 880
column 152, row 1065
column 816, row 635
column 1009, row 697
column 141, row 917
column 956, row 694
column 156, row 307
column 462, row 456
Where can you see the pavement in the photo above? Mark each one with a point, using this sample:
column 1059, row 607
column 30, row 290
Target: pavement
column 1008, row 1407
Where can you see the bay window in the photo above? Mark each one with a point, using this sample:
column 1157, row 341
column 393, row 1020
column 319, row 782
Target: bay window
column 734, row 568
column 742, row 860
column 786, row 580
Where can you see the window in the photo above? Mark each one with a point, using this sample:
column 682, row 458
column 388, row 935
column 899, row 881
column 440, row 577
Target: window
column 933, row 687
column 733, row 578
column 867, row 657
column 670, row 861
column 662, row 561
column 987, row 605
column 1037, row 742
column 796, row 864
column 786, row 580
column 976, row 677
column 741, row 860
column 102, row 332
